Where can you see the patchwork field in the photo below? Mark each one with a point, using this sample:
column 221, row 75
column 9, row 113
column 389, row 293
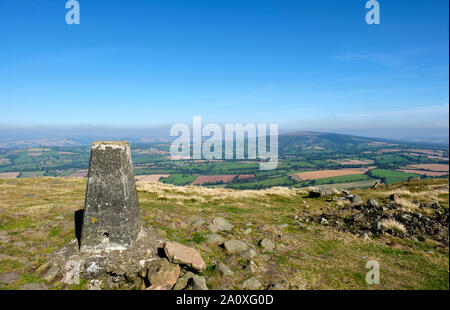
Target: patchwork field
column 356, row 162
column 431, row 167
column 212, row 179
column 246, row 176
column 390, row 176
column 151, row 177
column 9, row 174
column 81, row 173
column 424, row 172
column 321, row 174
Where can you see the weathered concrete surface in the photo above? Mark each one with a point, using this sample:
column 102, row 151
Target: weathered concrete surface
column 111, row 269
column 111, row 217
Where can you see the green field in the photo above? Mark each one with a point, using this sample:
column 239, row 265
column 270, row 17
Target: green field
column 179, row 179
column 390, row 177
column 32, row 174
column 269, row 182
column 343, row 179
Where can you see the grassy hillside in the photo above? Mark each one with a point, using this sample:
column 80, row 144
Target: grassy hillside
column 37, row 217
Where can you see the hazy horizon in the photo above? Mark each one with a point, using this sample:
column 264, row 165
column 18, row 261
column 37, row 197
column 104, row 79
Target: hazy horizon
column 136, row 66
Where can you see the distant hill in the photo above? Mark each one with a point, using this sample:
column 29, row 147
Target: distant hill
column 296, row 143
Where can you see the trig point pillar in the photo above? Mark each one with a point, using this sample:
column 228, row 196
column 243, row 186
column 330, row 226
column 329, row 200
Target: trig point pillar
column 111, row 217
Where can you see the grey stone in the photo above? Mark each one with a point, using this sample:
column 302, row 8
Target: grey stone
column 220, row 224
column 199, row 283
column 196, row 224
column 183, row 281
column 251, row 284
column 366, row 237
column 224, row 270
column 111, row 213
column 163, row 272
column 235, row 246
column 181, row 254
column 9, row 277
column 321, row 192
column 248, row 254
column 355, row 200
column 251, row 267
column 51, row 273
column 247, row 231
column 33, row 286
column 214, row 239
column 433, row 205
column 267, row 245
column 372, row 203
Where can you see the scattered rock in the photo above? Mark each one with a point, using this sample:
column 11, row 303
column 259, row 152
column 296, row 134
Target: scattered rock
column 323, row 221
column 224, row 270
column 247, row 231
column 33, row 286
column 251, row 284
column 394, row 197
column 252, row 267
column 215, row 239
column 248, row 254
column 433, row 205
column 366, row 237
column 196, row 224
column 199, row 283
column 9, row 277
column 163, row 272
column 51, row 273
column 220, row 224
column 378, row 185
column 234, row 246
column 180, row 254
column 183, row 281
column 355, row 200
column 94, row 285
column 321, row 192
column 372, row 203
column 267, row 245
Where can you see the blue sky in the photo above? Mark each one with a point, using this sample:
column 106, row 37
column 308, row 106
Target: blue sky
column 307, row 65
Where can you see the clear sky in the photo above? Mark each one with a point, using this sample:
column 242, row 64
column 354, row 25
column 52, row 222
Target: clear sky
column 307, row 65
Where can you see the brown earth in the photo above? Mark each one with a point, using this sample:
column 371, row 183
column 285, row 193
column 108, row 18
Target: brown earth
column 204, row 179
column 6, row 175
column 431, row 167
column 151, row 177
column 423, row 172
column 320, row 174
column 246, row 176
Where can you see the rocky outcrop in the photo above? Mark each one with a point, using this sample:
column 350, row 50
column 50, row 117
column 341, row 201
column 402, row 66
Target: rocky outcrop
column 368, row 218
column 180, row 254
column 321, row 192
column 151, row 263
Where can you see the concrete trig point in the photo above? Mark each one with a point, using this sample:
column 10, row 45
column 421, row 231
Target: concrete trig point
column 111, row 219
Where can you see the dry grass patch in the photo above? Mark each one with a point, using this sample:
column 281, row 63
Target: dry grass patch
column 393, row 225
column 172, row 192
